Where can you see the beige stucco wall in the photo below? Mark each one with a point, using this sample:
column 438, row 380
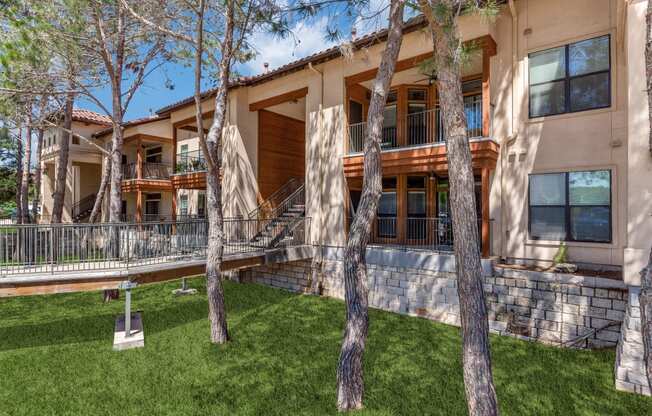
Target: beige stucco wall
column 587, row 140
column 639, row 191
column 87, row 175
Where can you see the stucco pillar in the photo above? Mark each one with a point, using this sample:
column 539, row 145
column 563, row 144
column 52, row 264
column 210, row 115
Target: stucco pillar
column 639, row 166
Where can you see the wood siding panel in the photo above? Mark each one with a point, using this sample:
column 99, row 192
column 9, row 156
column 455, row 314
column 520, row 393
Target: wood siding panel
column 281, row 151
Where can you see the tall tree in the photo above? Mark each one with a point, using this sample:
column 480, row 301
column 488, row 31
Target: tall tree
column 27, row 170
column 350, row 380
column 448, row 57
column 61, row 168
column 19, row 175
column 645, row 298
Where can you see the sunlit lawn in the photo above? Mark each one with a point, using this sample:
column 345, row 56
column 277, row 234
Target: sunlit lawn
column 56, row 358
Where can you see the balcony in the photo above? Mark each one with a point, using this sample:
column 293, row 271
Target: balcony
column 417, row 129
column 189, row 170
column 148, row 170
column 189, row 162
column 414, row 233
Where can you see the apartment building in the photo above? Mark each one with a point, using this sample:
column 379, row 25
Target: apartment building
column 557, row 119
column 84, row 171
column 553, row 107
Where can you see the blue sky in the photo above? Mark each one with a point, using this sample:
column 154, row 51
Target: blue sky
column 309, row 37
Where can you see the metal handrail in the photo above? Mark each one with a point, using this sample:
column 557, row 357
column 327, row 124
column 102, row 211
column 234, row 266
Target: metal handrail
column 277, row 198
column 83, row 205
column 419, row 128
column 36, row 249
column 150, row 170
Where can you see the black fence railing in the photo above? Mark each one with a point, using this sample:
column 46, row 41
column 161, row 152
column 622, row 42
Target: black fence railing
column 414, row 233
column 56, row 248
column 188, row 162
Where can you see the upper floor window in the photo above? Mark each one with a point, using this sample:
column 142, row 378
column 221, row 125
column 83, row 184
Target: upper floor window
column 154, row 155
column 573, row 206
column 570, row 78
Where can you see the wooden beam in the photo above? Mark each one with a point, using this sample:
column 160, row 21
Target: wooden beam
column 486, row 98
column 139, row 159
column 485, row 213
column 192, row 129
column 139, row 206
column 486, row 42
column 279, row 99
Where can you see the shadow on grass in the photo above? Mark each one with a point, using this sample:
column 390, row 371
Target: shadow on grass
column 281, row 361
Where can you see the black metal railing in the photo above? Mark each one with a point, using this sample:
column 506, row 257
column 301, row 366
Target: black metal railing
column 418, row 129
column 192, row 161
column 414, row 233
column 149, row 171
column 277, row 203
column 56, row 248
column 83, row 206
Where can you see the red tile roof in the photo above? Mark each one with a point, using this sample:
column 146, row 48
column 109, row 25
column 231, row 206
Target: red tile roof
column 334, row 52
column 87, row 116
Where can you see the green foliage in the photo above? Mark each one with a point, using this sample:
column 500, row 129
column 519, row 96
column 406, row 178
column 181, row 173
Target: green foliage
column 562, row 254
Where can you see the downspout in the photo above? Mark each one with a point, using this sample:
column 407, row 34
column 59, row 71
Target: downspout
column 317, row 260
column 513, row 132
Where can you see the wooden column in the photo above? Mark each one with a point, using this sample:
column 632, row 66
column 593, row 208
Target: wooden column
column 485, row 212
column 174, row 204
column 139, row 159
column 139, row 206
column 174, row 149
column 486, row 101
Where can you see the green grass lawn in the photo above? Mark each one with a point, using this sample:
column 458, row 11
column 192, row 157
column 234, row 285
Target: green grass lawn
column 56, row 358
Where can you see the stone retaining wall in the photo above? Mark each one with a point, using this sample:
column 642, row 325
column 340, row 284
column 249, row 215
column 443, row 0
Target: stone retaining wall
column 630, row 365
column 549, row 307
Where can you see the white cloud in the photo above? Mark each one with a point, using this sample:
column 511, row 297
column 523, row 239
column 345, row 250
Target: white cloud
column 307, row 38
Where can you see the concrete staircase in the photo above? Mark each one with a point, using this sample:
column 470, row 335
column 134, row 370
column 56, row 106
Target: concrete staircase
column 629, row 367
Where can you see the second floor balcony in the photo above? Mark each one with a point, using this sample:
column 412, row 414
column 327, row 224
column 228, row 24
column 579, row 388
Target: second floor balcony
column 191, row 161
column 416, row 128
column 146, row 170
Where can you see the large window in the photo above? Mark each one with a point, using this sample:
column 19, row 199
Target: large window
column 574, row 77
column 573, row 206
column 387, row 209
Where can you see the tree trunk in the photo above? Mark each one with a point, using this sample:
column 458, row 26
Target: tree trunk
column 478, row 377
column 101, row 192
column 24, row 183
column 19, row 176
column 62, row 163
column 213, row 145
column 38, row 173
column 350, row 379
column 645, row 301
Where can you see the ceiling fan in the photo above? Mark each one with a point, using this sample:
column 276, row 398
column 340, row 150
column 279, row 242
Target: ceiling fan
column 431, row 78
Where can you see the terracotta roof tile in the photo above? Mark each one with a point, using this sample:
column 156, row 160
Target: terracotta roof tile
column 87, row 116
column 334, row 52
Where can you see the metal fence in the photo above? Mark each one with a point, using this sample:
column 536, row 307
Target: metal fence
column 414, row 233
column 419, row 128
column 149, row 171
column 192, row 161
column 56, row 248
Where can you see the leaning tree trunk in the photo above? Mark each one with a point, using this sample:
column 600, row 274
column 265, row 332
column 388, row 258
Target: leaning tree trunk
column 215, row 249
column 476, row 358
column 350, row 379
column 24, row 183
column 19, row 176
column 36, row 202
column 62, row 163
column 101, row 192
